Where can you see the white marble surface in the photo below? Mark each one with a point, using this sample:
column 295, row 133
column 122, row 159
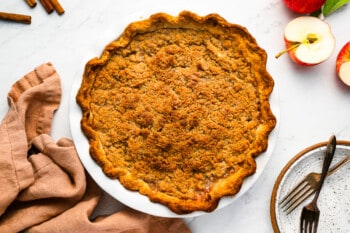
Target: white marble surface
column 313, row 103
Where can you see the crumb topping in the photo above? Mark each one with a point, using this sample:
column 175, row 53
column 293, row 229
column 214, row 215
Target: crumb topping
column 180, row 110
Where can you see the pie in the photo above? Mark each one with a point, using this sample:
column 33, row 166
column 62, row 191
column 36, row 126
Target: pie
column 177, row 108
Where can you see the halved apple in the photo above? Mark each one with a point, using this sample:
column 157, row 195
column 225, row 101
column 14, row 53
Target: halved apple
column 343, row 64
column 309, row 40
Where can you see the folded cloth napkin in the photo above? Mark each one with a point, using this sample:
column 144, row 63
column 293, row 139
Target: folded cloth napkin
column 44, row 187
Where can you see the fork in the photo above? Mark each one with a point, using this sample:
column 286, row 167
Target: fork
column 306, row 188
column 310, row 213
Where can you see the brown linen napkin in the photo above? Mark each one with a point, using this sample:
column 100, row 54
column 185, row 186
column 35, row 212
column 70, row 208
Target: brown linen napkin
column 43, row 184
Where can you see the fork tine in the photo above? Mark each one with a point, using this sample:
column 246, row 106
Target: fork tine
column 302, row 197
column 303, row 225
column 314, row 227
column 303, row 192
column 311, row 224
column 315, row 223
column 293, row 193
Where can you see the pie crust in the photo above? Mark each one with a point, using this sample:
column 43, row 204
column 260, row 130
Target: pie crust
column 177, row 108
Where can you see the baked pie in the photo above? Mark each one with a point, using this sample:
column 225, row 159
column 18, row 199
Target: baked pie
column 177, row 108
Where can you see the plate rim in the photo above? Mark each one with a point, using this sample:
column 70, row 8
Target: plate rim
column 283, row 172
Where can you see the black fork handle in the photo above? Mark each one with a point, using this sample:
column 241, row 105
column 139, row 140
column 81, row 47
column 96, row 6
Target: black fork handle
column 330, row 150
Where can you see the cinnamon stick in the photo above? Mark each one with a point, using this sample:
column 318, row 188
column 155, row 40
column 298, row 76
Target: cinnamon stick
column 57, row 6
column 19, row 18
column 47, row 6
column 31, row 3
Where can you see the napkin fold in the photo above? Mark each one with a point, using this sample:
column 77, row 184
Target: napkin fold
column 44, row 187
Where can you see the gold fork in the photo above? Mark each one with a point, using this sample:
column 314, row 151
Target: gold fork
column 310, row 213
column 306, row 188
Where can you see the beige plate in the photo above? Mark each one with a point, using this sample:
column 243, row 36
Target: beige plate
column 334, row 200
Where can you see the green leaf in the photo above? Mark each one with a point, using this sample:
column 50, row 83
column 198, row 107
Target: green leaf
column 332, row 5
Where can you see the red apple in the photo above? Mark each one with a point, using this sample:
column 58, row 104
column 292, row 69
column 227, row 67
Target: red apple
column 304, row 6
column 343, row 64
column 309, row 40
